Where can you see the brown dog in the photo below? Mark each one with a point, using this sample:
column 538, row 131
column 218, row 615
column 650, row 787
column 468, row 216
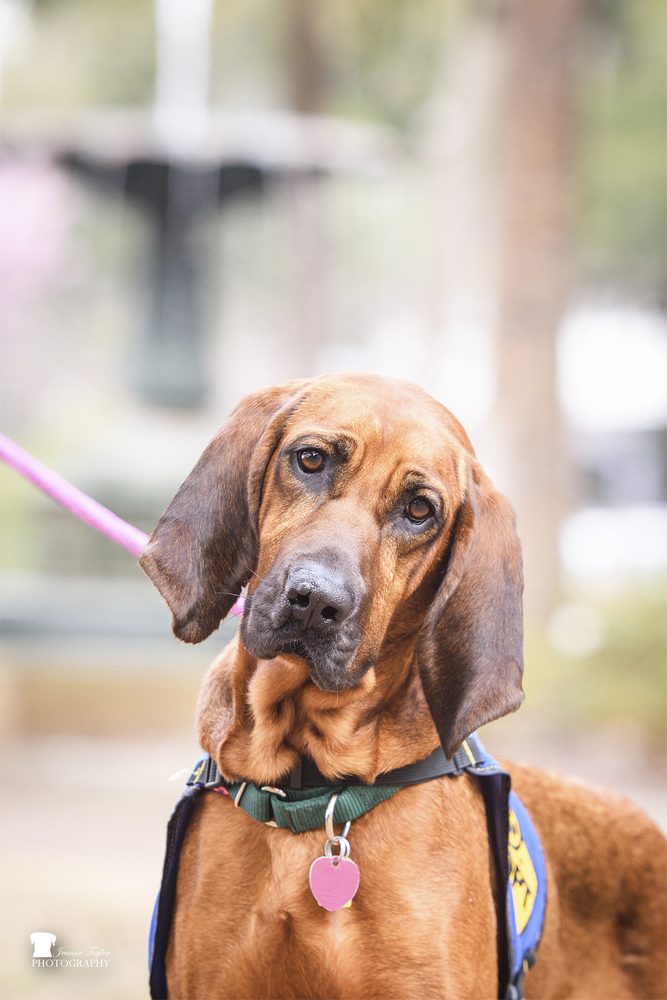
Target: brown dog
column 384, row 618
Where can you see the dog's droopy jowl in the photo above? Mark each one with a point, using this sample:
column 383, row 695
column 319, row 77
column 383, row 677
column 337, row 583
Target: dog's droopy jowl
column 383, row 620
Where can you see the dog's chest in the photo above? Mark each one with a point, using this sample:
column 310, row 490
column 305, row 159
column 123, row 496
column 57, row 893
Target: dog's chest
column 413, row 929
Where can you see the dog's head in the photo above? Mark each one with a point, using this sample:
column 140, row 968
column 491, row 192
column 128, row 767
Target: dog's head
column 355, row 510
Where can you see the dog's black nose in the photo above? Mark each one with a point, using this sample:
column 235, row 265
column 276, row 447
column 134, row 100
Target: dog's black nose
column 318, row 596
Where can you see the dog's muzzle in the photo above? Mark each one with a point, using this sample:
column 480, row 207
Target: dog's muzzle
column 309, row 607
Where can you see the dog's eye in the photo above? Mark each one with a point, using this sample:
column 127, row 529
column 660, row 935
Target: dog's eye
column 419, row 509
column 310, row 460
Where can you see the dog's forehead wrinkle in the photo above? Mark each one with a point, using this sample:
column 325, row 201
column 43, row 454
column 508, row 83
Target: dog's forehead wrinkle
column 358, row 404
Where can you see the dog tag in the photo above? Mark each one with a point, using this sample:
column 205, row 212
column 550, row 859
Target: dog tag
column 333, row 882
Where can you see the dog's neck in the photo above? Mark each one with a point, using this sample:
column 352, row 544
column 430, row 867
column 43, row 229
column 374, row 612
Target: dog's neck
column 257, row 718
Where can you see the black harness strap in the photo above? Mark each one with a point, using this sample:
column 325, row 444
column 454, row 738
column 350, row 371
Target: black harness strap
column 436, row 765
column 306, row 774
column 164, row 908
column 495, row 792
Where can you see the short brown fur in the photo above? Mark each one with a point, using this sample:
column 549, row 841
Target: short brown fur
column 437, row 654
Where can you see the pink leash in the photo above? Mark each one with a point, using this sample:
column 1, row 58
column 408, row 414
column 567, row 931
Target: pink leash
column 89, row 510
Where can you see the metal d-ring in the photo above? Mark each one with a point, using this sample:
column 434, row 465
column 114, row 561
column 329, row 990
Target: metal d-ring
column 328, row 817
column 239, row 794
column 328, row 820
column 343, row 844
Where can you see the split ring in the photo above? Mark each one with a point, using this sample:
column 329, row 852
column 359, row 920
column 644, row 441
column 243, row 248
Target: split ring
column 343, row 848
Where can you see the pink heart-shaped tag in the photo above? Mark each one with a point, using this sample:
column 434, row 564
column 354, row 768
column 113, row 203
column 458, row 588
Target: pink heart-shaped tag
column 333, row 881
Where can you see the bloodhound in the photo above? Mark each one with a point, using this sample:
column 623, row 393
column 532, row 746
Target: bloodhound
column 383, row 619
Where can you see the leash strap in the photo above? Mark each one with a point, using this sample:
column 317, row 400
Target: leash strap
column 80, row 504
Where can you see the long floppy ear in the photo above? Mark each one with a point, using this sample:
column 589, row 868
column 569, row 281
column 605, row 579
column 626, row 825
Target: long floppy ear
column 205, row 547
column 470, row 648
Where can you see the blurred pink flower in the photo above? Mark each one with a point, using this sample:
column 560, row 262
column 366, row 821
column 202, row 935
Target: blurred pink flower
column 36, row 214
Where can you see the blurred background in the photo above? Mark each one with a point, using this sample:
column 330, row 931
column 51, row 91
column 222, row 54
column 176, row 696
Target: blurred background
column 202, row 197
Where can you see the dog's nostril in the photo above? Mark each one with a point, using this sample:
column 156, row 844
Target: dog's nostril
column 316, row 599
column 300, row 600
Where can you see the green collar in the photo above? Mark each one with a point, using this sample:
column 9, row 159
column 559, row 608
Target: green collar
column 301, row 809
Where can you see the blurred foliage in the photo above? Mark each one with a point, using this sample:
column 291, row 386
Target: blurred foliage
column 84, row 52
column 384, row 55
column 20, row 540
column 380, row 56
column 623, row 681
column 248, row 68
column 621, row 149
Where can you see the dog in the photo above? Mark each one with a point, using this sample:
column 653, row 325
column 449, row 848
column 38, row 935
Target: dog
column 383, row 620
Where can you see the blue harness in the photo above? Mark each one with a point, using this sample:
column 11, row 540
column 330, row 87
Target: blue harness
column 514, row 844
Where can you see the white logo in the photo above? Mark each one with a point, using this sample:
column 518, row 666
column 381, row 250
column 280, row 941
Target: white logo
column 43, row 958
column 43, row 943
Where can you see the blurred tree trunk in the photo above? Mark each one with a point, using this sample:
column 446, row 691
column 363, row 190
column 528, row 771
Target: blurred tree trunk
column 534, row 280
column 307, row 83
column 461, row 145
column 306, row 57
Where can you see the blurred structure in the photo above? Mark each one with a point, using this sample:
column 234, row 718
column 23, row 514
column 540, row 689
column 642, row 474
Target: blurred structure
column 183, row 163
column 181, row 113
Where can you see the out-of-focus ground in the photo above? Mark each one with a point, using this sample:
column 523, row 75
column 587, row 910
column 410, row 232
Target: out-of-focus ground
column 97, row 714
column 95, row 728
column 83, row 842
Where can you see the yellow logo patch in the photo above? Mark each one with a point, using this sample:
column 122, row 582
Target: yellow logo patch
column 200, row 768
column 522, row 875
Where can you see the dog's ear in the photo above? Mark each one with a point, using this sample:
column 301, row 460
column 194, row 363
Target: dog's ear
column 205, row 547
column 470, row 648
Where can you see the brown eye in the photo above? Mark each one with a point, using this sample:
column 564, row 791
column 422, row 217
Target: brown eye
column 310, row 460
column 418, row 510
